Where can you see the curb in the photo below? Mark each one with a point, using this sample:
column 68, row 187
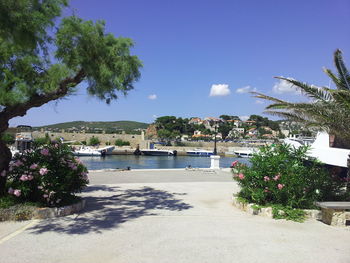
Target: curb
column 28, row 213
column 267, row 211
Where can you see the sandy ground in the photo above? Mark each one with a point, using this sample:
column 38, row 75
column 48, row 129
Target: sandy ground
column 168, row 216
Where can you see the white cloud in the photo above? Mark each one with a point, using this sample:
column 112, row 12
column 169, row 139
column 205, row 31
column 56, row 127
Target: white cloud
column 154, row 116
column 244, row 118
column 152, row 97
column 219, row 90
column 245, row 89
column 283, row 87
column 259, row 102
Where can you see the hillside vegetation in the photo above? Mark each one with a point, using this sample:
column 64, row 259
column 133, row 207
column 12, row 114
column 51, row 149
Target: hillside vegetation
column 105, row 125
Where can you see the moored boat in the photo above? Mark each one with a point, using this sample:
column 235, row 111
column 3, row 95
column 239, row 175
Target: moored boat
column 199, row 152
column 245, row 152
column 86, row 151
column 106, row 150
column 157, row 152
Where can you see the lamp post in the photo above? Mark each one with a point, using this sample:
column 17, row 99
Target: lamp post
column 215, row 133
column 215, row 159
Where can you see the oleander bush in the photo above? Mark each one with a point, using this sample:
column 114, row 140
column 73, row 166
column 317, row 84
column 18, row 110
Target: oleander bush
column 283, row 175
column 49, row 175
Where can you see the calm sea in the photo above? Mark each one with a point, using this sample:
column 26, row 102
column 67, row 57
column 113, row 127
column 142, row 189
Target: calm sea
column 153, row 162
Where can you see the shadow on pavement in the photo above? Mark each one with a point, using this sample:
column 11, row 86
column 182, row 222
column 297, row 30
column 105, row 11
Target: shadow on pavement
column 106, row 212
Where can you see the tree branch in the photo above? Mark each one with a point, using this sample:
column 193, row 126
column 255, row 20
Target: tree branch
column 37, row 100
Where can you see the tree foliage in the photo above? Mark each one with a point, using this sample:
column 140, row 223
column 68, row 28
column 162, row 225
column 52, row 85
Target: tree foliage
column 41, row 60
column 329, row 108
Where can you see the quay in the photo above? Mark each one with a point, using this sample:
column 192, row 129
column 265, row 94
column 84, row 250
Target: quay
column 168, row 216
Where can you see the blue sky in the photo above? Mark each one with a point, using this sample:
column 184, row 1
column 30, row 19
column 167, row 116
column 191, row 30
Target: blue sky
column 189, row 47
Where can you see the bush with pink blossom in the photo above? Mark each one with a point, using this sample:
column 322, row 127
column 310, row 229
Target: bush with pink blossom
column 50, row 175
column 285, row 176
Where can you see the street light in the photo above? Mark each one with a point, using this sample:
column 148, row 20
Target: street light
column 215, row 133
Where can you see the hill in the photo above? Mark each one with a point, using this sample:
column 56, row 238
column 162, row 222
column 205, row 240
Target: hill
column 96, row 125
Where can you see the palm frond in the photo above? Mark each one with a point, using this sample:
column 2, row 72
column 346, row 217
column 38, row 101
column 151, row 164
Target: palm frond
column 334, row 78
column 309, row 90
column 344, row 75
column 265, row 97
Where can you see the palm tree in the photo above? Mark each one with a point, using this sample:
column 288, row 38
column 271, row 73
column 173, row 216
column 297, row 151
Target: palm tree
column 328, row 110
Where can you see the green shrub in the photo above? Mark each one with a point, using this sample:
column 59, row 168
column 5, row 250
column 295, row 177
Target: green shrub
column 120, row 142
column 42, row 141
column 8, row 138
column 94, row 141
column 50, row 175
column 283, row 175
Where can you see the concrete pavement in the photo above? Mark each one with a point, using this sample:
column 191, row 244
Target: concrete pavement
column 169, row 216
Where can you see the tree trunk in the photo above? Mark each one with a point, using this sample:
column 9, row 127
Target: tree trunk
column 5, row 158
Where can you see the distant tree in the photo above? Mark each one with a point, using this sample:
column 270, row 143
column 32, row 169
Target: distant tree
column 229, row 117
column 164, row 134
column 224, row 129
column 120, row 142
column 31, row 75
column 94, row 141
column 225, row 117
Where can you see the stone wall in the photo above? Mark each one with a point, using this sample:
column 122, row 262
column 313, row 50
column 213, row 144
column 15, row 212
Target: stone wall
column 134, row 139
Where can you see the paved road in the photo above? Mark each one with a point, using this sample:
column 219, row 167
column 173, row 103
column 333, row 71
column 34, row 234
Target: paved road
column 176, row 220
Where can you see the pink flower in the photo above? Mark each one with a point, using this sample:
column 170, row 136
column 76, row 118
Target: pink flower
column 45, row 196
column 33, row 166
column 45, row 152
column 266, row 178
column 241, row 176
column 266, row 190
column 278, row 176
column 234, row 163
column 30, row 177
column 43, row 171
column 18, row 163
column 280, row 186
column 40, row 187
column 10, row 191
column 23, row 177
column 17, row 192
column 3, row 173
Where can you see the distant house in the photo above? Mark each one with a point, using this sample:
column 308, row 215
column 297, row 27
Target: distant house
column 252, row 132
column 235, row 132
column 213, row 119
column 197, row 121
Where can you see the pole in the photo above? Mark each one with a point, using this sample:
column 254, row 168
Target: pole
column 215, row 151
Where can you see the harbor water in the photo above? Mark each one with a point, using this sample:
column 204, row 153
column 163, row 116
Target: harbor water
column 153, row 162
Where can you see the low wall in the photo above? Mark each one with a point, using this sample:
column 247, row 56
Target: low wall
column 134, row 139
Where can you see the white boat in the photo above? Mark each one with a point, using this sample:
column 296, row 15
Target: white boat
column 245, row 152
column 106, row 150
column 199, row 152
column 157, row 152
column 86, row 151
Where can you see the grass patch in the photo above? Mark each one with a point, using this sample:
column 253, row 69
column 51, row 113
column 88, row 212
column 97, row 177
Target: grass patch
column 288, row 213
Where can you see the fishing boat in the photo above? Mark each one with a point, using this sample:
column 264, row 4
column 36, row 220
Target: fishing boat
column 199, row 152
column 157, row 152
